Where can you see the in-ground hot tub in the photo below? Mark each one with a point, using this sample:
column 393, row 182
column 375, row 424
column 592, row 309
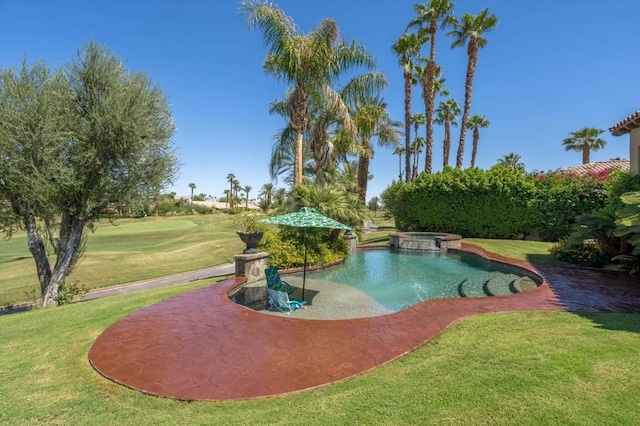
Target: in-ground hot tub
column 424, row 241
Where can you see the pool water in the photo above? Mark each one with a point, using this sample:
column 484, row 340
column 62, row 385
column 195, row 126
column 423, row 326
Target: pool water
column 398, row 279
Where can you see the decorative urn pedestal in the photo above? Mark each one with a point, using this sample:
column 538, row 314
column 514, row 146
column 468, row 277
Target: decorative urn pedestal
column 251, row 239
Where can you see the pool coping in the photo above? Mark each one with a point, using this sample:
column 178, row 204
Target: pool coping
column 201, row 346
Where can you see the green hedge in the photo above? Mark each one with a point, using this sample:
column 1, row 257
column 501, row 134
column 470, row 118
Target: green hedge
column 493, row 203
column 499, row 202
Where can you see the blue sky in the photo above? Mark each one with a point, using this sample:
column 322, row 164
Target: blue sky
column 550, row 67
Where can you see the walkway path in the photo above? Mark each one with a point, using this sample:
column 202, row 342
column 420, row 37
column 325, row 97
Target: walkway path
column 201, row 346
column 216, row 271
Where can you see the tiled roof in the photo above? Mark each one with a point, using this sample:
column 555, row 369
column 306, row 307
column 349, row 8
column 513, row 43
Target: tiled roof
column 626, row 125
column 599, row 166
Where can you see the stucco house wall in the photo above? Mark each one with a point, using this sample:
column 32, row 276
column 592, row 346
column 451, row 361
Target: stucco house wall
column 634, row 150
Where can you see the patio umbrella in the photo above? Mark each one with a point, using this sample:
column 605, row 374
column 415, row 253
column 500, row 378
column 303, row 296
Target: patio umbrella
column 306, row 217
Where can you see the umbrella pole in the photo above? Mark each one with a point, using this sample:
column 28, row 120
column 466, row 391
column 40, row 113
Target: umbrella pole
column 304, row 269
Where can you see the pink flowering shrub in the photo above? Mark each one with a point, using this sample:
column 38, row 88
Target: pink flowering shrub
column 562, row 196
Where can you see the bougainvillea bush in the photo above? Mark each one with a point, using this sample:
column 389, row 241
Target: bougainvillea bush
column 563, row 196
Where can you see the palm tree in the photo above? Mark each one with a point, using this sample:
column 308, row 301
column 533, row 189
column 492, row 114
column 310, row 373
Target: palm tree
column 247, row 189
column 332, row 201
column 227, row 194
column 417, row 120
column 476, row 122
column 407, row 48
column 192, row 186
column 280, row 196
column 447, row 115
column 311, row 63
column 416, row 146
column 422, row 77
column 511, row 161
column 399, row 150
column 374, row 205
column 230, row 178
column 267, row 192
column 346, row 176
column 431, row 14
column 470, row 31
column 361, row 92
column 585, row 140
column 372, row 122
column 236, row 188
column 283, row 156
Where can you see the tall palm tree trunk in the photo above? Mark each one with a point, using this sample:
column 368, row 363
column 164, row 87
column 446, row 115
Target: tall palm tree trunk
column 430, row 98
column 407, row 124
column 472, row 51
column 446, row 144
column 586, row 154
column 297, row 180
column 414, row 172
column 474, row 151
column 363, row 175
column 299, row 116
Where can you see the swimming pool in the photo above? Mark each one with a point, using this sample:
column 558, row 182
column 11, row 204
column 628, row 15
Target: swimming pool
column 398, row 279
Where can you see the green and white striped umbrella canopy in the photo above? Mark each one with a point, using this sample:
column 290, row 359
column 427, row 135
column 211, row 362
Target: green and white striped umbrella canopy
column 306, row 217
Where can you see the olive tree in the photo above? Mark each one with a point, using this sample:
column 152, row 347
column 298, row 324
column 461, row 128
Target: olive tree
column 73, row 143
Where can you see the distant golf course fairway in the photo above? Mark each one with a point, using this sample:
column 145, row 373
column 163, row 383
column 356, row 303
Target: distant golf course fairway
column 132, row 250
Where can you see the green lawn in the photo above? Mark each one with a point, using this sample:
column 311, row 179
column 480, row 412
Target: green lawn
column 135, row 249
column 533, row 251
column 518, row 368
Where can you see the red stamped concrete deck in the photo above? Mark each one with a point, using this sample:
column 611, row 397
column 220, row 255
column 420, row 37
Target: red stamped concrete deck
column 202, row 346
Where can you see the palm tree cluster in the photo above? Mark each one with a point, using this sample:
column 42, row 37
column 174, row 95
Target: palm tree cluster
column 231, row 194
column 269, row 196
column 430, row 18
column 328, row 121
column 333, row 122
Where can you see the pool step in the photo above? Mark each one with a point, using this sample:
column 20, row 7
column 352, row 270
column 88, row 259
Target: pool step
column 474, row 286
column 523, row 284
column 500, row 285
column 495, row 284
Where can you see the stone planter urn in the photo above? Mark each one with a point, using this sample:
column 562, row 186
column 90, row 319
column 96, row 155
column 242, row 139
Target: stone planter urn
column 251, row 239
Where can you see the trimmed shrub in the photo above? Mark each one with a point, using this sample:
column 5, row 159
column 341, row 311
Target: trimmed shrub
column 493, row 203
column 287, row 247
column 581, row 254
column 501, row 202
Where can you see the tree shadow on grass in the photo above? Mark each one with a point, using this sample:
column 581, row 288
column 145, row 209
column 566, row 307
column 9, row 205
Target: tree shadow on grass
column 617, row 322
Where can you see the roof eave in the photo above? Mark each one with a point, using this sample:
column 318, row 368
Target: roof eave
column 625, row 126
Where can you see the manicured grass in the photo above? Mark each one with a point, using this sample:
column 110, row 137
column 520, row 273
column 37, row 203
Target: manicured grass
column 518, row 368
column 134, row 249
column 385, row 226
column 533, row 251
